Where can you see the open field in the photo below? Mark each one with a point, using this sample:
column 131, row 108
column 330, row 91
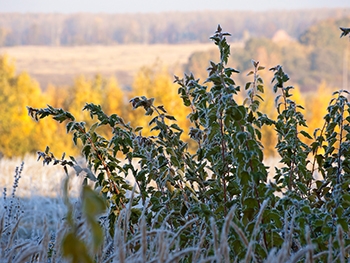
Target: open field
column 36, row 227
column 59, row 65
column 46, row 181
column 35, row 179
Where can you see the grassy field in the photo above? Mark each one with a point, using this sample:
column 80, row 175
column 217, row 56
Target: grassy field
column 59, row 65
column 33, row 228
column 35, row 179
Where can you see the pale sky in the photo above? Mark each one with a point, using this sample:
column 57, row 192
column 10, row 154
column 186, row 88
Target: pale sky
column 136, row 6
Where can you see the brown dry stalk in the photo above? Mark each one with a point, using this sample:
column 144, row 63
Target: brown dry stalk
column 341, row 244
column 240, row 233
column 309, row 257
column 297, row 256
column 215, row 239
column 224, row 247
column 195, row 257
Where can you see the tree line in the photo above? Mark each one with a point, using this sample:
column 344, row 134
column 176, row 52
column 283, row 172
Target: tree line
column 317, row 55
column 314, row 61
column 19, row 135
column 151, row 28
column 217, row 202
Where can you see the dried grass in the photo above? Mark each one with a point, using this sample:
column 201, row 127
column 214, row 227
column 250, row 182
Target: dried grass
column 49, row 65
column 156, row 244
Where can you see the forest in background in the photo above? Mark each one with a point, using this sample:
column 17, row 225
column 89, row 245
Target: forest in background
column 316, row 55
column 19, row 135
column 170, row 28
column 314, row 60
column 218, row 203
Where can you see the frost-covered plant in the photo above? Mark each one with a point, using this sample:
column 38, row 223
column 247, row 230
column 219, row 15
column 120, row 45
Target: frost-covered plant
column 216, row 204
column 15, row 245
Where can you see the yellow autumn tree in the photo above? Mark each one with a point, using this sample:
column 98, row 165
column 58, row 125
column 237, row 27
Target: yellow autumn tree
column 59, row 142
column 57, row 96
column 113, row 98
column 84, row 91
column 100, row 91
column 316, row 107
column 18, row 133
column 155, row 82
column 269, row 137
column 113, row 101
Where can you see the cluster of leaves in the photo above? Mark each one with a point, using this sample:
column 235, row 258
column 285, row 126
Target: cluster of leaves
column 224, row 183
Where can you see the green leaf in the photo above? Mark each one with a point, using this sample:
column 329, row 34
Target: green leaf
column 302, row 187
column 70, row 126
column 137, row 129
column 274, row 239
column 247, row 85
column 260, row 88
column 343, row 222
column 273, row 217
column 258, row 134
column 170, row 117
column 93, row 128
column 86, row 150
column 161, row 108
column 241, row 136
column 73, row 159
column 93, row 204
column 176, row 127
column 346, row 197
column 47, row 149
column 250, row 202
column 305, row 134
column 250, row 73
column 75, row 249
column 345, row 31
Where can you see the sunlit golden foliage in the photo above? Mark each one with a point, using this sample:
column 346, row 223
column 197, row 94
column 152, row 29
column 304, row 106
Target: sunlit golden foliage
column 155, row 82
column 19, row 135
column 59, row 141
column 113, row 98
column 316, row 106
column 104, row 92
column 84, row 91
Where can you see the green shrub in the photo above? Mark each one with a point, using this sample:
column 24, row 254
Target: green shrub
column 217, row 204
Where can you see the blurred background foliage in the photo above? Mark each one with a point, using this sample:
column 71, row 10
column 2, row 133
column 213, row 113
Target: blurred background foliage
column 152, row 28
column 317, row 55
column 314, row 58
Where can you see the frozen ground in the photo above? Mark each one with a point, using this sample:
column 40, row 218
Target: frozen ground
column 35, row 179
column 39, row 188
column 34, row 195
column 38, row 181
column 33, row 221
